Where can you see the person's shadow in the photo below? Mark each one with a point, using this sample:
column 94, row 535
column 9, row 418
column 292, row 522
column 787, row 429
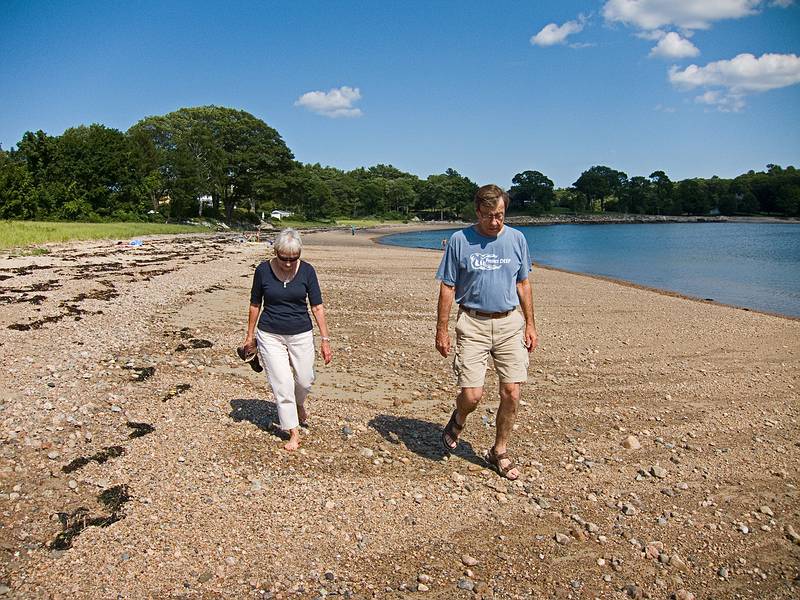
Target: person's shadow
column 421, row 437
column 261, row 413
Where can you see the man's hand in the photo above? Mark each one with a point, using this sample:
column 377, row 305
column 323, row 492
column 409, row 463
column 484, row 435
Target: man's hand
column 443, row 342
column 531, row 338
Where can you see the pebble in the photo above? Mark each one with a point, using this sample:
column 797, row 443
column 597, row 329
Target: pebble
column 723, row 572
column 792, row 534
column 367, row 452
column 4, row 589
column 631, row 443
column 424, row 578
column 628, row 509
column 766, row 510
column 421, row 587
column 457, row 478
column 677, row 562
column 684, row 595
column 658, row 471
column 562, row 538
column 72, row 484
column 53, row 455
column 465, row 584
column 743, row 528
column 633, row 591
column 469, row 561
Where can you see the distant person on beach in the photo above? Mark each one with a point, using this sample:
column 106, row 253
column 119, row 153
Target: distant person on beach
column 285, row 285
column 352, row 229
column 485, row 270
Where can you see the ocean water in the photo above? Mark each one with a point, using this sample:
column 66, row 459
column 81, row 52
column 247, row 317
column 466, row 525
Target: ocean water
column 752, row 265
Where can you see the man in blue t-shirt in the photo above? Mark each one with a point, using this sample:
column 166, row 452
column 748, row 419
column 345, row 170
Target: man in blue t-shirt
column 485, row 270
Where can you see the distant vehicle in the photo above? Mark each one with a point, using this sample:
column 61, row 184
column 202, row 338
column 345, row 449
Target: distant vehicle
column 280, row 214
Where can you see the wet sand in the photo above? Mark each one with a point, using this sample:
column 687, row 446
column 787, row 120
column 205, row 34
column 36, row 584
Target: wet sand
column 106, row 340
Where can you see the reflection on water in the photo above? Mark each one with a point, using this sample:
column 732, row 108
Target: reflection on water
column 755, row 265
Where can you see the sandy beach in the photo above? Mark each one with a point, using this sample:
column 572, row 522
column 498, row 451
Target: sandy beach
column 139, row 457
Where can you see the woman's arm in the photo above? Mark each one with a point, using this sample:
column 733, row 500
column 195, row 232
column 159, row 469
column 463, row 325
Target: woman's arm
column 319, row 316
column 252, row 319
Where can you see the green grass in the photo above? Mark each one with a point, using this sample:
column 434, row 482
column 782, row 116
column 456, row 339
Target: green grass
column 19, row 234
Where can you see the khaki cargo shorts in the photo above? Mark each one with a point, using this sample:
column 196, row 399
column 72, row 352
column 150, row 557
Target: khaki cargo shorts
column 478, row 337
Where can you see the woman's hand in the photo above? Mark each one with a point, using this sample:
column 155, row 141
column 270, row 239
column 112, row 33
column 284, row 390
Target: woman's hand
column 327, row 353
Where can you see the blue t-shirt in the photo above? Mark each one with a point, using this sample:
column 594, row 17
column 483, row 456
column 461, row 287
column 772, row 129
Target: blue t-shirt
column 485, row 270
column 285, row 310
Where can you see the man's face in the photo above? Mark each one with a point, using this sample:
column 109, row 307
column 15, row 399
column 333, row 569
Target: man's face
column 490, row 220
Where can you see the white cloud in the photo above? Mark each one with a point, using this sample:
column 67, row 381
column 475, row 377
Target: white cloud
column 662, row 108
column 743, row 74
column 782, row 3
column 723, row 102
column 672, row 45
column 553, row 34
column 337, row 102
column 652, row 34
column 688, row 14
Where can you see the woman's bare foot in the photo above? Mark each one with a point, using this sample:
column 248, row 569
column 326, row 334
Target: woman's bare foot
column 294, row 440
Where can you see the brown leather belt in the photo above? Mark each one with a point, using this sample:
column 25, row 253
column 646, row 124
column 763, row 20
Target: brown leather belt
column 477, row 313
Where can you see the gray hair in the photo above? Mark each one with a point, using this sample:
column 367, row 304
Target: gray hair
column 288, row 242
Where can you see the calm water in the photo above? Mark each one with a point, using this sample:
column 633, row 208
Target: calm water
column 745, row 264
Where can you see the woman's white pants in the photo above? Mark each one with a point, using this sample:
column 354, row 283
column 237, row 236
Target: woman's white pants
column 289, row 363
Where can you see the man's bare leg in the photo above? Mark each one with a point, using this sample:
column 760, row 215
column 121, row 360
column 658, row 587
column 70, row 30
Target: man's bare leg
column 466, row 402
column 506, row 415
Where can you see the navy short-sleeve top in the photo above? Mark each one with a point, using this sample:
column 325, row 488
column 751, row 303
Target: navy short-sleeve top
column 285, row 304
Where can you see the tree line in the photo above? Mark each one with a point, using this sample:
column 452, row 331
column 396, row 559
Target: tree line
column 228, row 164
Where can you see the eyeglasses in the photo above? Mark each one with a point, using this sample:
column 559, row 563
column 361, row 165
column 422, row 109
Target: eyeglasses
column 287, row 258
column 498, row 216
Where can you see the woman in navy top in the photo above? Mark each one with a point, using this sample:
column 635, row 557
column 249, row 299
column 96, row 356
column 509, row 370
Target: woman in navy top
column 285, row 286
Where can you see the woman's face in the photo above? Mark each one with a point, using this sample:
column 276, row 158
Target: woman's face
column 287, row 260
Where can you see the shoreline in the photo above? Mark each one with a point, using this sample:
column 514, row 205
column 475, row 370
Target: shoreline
column 378, row 235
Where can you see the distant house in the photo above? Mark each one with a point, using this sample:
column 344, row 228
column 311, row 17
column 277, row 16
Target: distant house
column 280, row 214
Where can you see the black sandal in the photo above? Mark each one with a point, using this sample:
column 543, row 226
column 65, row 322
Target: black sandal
column 453, row 430
column 494, row 460
column 250, row 356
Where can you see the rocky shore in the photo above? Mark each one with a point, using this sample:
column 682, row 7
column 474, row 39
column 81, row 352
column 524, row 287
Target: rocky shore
column 658, row 439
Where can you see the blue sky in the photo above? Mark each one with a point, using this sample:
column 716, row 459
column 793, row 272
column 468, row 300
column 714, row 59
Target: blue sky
column 489, row 89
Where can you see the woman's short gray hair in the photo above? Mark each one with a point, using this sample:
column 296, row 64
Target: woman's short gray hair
column 288, row 242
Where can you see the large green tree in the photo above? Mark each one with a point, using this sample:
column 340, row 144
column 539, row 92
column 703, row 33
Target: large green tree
column 234, row 155
column 532, row 191
column 598, row 183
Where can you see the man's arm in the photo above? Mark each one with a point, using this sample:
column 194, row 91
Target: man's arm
column 525, row 294
column 446, row 295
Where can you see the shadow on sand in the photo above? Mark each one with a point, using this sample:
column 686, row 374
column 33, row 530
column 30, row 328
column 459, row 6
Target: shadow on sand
column 261, row 413
column 421, row 437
